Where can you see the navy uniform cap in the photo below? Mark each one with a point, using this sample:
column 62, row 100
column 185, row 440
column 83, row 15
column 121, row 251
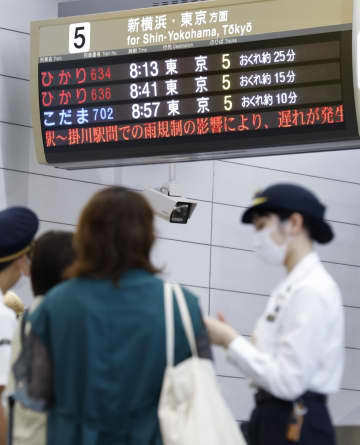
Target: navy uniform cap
column 294, row 198
column 18, row 226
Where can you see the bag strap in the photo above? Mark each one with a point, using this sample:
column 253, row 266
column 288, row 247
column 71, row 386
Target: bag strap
column 169, row 321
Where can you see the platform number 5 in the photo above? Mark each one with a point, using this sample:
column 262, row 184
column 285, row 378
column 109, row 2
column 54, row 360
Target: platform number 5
column 79, row 37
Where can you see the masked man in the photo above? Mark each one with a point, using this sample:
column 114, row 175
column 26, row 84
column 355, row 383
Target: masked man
column 297, row 355
column 18, row 226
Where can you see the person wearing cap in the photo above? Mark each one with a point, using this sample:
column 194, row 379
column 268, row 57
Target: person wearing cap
column 18, row 226
column 296, row 356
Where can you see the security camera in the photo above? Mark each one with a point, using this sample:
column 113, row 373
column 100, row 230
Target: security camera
column 174, row 209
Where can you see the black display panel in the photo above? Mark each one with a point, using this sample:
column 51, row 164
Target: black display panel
column 287, row 91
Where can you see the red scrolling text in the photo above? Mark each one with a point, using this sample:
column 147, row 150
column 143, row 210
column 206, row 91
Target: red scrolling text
column 215, row 125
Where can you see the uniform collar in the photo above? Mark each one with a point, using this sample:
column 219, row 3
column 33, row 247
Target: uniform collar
column 301, row 269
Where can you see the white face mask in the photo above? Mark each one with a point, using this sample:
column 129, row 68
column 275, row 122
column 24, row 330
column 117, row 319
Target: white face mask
column 267, row 249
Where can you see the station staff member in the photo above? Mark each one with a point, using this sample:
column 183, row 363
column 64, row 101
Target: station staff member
column 18, row 226
column 297, row 355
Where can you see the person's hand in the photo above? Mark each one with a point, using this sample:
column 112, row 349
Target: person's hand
column 13, row 301
column 220, row 333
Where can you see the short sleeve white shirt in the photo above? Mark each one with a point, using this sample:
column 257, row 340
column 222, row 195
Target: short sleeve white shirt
column 7, row 329
column 299, row 339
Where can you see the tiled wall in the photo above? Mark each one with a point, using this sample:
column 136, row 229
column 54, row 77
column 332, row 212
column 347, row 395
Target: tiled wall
column 213, row 253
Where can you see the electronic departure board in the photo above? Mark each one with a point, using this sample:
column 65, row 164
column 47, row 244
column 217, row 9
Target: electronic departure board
column 222, row 99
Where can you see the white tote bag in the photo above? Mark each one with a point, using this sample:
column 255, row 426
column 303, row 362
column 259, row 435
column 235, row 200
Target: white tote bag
column 192, row 410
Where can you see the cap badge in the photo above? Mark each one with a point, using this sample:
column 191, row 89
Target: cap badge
column 259, row 200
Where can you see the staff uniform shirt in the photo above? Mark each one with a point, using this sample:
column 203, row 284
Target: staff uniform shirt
column 299, row 340
column 7, row 328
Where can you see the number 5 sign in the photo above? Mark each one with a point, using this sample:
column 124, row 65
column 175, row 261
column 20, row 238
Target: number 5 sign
column 79, row 38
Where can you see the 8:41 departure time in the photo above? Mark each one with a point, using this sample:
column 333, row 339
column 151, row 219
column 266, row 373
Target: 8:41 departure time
column 147, row 89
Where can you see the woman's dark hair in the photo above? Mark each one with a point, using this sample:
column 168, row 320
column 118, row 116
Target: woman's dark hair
column 53, row 252
column 115, row 233
column 285, row 214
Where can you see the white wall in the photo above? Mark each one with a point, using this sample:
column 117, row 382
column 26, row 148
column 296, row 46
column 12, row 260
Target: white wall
column 213, row 253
